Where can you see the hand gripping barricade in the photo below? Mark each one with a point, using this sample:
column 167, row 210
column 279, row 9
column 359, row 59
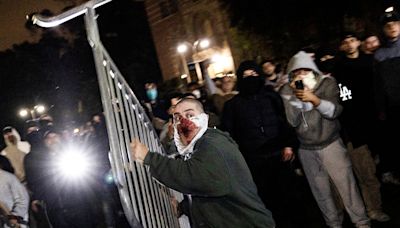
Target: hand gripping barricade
column 146, row 202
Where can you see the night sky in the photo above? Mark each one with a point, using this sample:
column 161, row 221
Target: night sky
column 12, row 19
column 13, row 32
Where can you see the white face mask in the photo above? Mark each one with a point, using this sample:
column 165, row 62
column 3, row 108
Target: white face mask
column 309, row 80
column 200, row 121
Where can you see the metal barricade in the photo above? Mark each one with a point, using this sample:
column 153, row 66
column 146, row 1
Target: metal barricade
column 146, row 202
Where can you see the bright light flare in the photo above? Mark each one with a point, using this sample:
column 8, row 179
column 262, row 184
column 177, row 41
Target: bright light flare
column 23, row 113
column 205, row 43
column 73, row 165
column 182, row 48
column 40, row 108
column 389, row 9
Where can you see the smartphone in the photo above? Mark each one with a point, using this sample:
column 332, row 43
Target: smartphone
column 299, row 84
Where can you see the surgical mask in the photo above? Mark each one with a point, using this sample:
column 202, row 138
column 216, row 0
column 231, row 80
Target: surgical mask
column 152, row 94
column 309, row 80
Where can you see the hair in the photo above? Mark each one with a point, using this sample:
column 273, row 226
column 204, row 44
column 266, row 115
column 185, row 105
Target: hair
column 170, row 96
column 198, row 104
column 188, row 95
column 272, row 61
column 278, row 66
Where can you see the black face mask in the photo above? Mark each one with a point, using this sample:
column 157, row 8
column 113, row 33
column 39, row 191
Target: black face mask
column 251, row 85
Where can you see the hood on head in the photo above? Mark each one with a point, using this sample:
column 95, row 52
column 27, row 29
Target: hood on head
column 14, row 132
column 302, row 60
column 248, row 65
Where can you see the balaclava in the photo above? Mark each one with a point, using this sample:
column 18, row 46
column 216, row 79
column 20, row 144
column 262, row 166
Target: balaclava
column 252, row 84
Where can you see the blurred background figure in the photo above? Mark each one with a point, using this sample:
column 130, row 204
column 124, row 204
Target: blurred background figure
column 273, row 75
column 370, row 44
column 14, row 198
column 155, row 107
column 15, row 151
column 219, row 91
column 387, row 93
column 105, row 187
column 227, row 92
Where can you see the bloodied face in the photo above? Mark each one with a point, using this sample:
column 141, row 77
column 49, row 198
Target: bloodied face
column 184, row 119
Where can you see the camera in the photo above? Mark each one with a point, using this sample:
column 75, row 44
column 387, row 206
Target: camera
column 299, row 84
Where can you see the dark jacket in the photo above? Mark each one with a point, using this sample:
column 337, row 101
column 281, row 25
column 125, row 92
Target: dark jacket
column 356, row 76
column 258, row 123
column 217, row 177
column 387, row 80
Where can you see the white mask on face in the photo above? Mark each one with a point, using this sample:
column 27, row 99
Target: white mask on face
column 200, row 121
column 309, row 80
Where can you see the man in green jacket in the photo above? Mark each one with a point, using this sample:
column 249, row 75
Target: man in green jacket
column 212, row 170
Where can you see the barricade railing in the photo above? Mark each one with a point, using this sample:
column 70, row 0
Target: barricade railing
column 146, row 202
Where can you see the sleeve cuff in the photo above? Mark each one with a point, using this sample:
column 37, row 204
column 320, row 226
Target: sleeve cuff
column 147, row 159
column 326, row 108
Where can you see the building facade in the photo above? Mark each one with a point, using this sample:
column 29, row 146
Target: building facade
column 188, row 23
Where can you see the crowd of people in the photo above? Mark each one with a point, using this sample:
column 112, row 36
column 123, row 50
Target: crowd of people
column 235, row 145
column 57, row 178
column 328, row 119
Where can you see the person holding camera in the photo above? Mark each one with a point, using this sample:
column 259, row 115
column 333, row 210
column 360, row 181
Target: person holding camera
column 312, row 107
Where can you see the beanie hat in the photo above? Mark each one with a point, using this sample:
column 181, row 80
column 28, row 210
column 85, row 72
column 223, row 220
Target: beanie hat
column 389, row 16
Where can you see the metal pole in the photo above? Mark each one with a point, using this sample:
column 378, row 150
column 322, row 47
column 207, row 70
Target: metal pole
column 94, row 41
column 32, row 111
column 185, row 67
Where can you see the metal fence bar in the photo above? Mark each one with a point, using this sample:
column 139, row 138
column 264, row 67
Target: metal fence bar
column 146, row 201
column 113, row 83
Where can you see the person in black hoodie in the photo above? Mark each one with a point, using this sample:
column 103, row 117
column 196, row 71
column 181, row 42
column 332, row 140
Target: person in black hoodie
column 353, row 72
column 36, row 174
column 255, row 118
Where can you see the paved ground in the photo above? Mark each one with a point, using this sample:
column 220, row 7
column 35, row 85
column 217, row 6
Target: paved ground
column 391, row 204
column 311, row 217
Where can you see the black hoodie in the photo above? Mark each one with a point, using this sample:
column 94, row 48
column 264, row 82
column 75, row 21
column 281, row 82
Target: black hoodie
column 256, row 119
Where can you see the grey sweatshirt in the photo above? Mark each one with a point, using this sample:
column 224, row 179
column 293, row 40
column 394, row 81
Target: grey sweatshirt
column 316, row 127
column 13, row 195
